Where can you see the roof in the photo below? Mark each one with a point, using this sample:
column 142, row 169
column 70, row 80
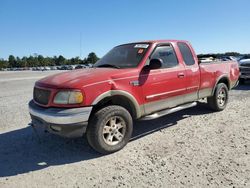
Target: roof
column 155, row 42
column 162, row 41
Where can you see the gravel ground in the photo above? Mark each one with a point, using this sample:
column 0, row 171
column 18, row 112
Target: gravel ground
column 191, row 148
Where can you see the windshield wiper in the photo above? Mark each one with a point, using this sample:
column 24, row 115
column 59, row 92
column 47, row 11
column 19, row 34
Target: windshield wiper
column 109, row 65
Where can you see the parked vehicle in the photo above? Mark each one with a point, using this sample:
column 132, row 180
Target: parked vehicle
column 39, row 68
column 80, row 67
column 59, row 67
column 244, row 70
column 53, row 68
column 46, row 68
column 64, row 67
column 206, row 59
column 70, row 67
column 243, row 57
column 143, row 80
column 90, row 65
column 229, row 58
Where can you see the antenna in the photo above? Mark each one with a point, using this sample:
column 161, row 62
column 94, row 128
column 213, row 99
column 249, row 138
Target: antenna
column 80, row 45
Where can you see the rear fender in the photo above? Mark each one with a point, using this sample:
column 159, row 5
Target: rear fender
column 222, row 79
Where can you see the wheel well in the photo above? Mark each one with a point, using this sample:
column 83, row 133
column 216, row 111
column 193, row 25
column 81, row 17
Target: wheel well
column 225, row 81
column 116, row 100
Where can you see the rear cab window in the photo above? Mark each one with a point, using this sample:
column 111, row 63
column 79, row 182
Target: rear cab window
column 167, row 54
column 186, row 53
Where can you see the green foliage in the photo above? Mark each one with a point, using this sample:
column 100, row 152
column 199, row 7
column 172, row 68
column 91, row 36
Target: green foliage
column 232, row 54
column 92, row 58
column 60, row 60
column 3, row 64
column 12, row 61
column 39, row 60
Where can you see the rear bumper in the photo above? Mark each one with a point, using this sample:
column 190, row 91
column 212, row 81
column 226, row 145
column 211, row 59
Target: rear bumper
column 61, row 121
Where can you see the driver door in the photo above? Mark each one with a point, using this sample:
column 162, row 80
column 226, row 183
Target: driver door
column 164, row 87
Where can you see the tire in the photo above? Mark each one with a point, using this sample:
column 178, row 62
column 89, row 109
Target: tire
column 219, row 100
column 109, row 129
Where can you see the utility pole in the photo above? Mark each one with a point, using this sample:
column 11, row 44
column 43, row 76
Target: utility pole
column 80, row 45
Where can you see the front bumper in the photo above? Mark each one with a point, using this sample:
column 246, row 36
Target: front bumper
column 245, row 76
column 67, row 122
column 244, row 72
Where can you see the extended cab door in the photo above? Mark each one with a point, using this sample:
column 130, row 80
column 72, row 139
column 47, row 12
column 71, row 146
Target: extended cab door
column 163, row 88
column 192, row 71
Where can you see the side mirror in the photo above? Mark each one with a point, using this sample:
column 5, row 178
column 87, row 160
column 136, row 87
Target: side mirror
column 155, row 63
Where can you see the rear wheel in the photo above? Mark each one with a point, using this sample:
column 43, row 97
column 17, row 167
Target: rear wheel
column 109, row 129
column 219, row 100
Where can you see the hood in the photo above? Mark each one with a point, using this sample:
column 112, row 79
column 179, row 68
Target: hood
column 245, row 63
column 77, row 78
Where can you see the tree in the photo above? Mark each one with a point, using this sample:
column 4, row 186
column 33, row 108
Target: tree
column 24, row 61
column 84, row 61
column 32, row 61
column 232, row 54
column 3, row 64
column 48, row 61
column 40, row 60
column 74, row 61
column 53, row 61
column 92, row 58
column 18, row 62
column 12, row 61
column 60, row 60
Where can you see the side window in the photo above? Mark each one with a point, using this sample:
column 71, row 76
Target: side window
column 167, row 54
column 186, row 53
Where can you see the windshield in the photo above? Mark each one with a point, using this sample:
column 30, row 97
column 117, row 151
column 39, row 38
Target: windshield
column 124, row 56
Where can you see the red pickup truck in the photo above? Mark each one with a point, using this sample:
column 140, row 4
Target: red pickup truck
column 142, row 80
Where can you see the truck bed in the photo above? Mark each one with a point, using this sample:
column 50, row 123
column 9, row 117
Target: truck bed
column 217, row 69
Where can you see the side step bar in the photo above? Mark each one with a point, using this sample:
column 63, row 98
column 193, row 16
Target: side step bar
column 169, row 111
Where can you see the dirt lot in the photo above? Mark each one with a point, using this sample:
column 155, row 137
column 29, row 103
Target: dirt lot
column 194, row 147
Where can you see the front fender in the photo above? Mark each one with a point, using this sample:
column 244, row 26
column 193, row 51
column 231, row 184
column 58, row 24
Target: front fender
column 130, row 97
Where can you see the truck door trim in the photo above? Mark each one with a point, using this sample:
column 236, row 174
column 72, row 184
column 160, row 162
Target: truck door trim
column 155, row 106
column 165, row 93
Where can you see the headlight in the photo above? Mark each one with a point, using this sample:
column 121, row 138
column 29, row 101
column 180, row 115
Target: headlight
column 68, row 97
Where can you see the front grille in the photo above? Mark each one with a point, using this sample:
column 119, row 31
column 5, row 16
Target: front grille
column 245, row 65
column 244, row 73
column 41, row 95
column 245, row 70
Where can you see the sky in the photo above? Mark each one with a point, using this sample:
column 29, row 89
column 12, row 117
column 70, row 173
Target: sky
column 78, row 27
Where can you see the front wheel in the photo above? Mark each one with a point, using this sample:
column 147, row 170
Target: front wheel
column 109, row 129
column 219, row 100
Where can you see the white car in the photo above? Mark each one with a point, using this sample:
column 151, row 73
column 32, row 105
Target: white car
column 46, row 68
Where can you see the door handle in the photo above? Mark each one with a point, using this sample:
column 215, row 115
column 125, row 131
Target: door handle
column 181, row 75
column 135, row 83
